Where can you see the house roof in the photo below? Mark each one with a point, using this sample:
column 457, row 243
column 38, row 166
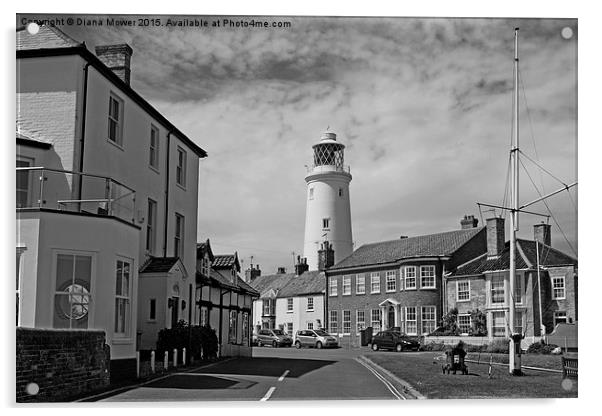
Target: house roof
column 54, row 42
column 29, row 140
column 202, row 248
column 526, row 259
column 441, row 244
column 287, row 285
column 226, row 261
column 245, row 286
column 159, row 264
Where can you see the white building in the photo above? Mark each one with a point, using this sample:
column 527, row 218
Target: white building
column 106, row 185
column 328, row 213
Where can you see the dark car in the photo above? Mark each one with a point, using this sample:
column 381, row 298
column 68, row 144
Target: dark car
column 273, row 337
column 394, row 340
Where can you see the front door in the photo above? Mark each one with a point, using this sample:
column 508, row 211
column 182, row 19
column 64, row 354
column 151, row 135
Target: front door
column 391, row 317
column 174, row 311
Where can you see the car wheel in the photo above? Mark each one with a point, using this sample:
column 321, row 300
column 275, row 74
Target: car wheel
column 319, row 345
column 259, row 344
column 374, row 347
column 399, row 348
column 274, row 344
column 297, row 345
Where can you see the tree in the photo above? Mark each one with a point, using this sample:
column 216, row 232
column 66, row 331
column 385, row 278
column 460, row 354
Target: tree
column 479, row 323
column 449, row 322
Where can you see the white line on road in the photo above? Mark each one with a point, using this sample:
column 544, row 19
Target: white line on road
column 391, row 388
column 283, row 375
column 268, row 394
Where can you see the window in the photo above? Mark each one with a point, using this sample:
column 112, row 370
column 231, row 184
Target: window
column 311, row 193
column 410, row 277
column 340, row 191
column 360, row 284
column 463, row 290
column 464, row 324
column 346, row 285
column 151, row 225
column 427, row 277
column 375, row 317
column 181, row 167
column 325, row 223
column 411, row 325
column 360, row 320
column 205, row 266
column 72, row 296
column 204, row 318
column 375, row 282
column 391, row 281
column 179, row 236
column 428, row 319
column 122, row 298
column 23, row 183
column 334, row 322
column 497, row 289
column 518, row 288
column 310, row 304
column 518, row 322
column 498, row 324
column 310, row 325
column 332, row 286
column 115, row 120
column 558, row 289
column 245, row 328
column 232, row 327
column 289, row 328
column 560, row 317
column 152, row 310
column 289, row 304
column 346, row 322
column 269, row 307
column 153, row 158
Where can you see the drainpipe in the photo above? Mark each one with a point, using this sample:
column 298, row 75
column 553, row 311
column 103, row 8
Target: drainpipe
column 166, row 196
column 83, row 131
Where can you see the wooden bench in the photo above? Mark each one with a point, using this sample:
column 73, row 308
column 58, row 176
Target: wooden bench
column 569, row 367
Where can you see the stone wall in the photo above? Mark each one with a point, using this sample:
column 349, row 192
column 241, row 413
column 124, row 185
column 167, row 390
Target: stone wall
column 56, row 365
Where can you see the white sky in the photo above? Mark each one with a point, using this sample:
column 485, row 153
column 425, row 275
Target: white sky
column 423, row 105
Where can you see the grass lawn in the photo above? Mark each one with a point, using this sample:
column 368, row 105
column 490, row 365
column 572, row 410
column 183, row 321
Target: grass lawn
column 423, row 371
column 553, row 362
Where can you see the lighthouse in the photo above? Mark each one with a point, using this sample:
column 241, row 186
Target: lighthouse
column 328, row 213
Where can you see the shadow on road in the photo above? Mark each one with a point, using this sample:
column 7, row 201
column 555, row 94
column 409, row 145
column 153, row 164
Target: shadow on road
column 266, row 366
column 193, row 381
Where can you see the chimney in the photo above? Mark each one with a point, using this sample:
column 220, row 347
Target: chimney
column 543, row 233
column 325, row 256
column 281, row 270
column 495, row 236
column 301, row 266
column 469, row 221
column 252, row 273
column 117, row 59
column 401, row 237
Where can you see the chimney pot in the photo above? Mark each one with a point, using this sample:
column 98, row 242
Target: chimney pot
column 117, row 58
column 469, row 221
column 543, row 233
column 325, row 257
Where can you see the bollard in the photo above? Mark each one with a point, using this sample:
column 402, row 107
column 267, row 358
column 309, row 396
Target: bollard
column 153, row 362
column 137, row 364
column 184, row 357
column 175, row 357
column 165, row 360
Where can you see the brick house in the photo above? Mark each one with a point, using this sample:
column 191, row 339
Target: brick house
column 397, row 283
column 483, row 282
column 290, row 301
column 223, row 300
column 107, row 197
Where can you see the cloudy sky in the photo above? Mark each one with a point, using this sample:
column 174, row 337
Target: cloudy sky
column 424, row 107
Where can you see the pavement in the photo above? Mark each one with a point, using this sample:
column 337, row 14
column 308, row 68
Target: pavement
column 274, row 374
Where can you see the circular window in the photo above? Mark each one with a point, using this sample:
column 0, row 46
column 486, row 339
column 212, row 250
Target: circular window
column 75, row 304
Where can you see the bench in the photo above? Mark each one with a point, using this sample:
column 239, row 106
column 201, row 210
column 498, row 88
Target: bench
column 569, row 367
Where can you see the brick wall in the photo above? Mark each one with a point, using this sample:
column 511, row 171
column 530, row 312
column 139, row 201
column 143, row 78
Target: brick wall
column 62, row 364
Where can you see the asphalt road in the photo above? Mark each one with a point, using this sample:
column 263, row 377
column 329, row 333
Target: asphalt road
column 272, row 374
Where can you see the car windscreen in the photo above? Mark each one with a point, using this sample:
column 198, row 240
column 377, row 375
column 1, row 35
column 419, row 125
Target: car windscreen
column 321, row 333
column 278, row 332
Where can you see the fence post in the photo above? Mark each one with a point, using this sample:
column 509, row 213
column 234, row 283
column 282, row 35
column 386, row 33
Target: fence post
column 184, row 356
column 165, row 359
column 175, row 357
column 153, row 362
column 137, row 364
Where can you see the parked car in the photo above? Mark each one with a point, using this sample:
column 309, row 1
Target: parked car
column 273, row 337
column 394, row 340
column 317, row 338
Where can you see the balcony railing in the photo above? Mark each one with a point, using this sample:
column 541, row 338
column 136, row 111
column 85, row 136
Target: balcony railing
column 328, row 168
column 39, row 187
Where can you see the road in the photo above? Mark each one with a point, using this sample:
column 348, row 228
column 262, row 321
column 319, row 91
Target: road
column 272, row 374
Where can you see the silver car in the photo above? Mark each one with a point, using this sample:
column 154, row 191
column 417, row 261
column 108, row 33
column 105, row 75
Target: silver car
column 317, row 338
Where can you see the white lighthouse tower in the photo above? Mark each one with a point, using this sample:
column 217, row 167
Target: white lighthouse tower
column 328, row 213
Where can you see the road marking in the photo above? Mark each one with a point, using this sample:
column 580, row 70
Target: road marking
column 283, row 375
column 268, row 394
column 387, row 384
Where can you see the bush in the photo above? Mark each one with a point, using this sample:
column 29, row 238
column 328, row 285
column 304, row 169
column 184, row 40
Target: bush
column 434, row 346
column 541, row 348
column 501, row 346
column 199, row 341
